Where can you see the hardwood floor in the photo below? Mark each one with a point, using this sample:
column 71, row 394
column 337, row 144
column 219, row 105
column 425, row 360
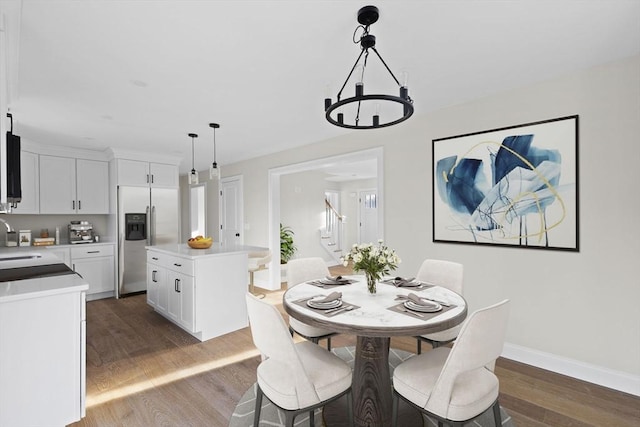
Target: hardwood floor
column 144, row 371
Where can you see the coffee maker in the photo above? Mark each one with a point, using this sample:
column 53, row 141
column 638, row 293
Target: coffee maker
column 81, row 232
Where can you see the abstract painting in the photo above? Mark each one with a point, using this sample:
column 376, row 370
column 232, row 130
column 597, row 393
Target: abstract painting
column 513, row 186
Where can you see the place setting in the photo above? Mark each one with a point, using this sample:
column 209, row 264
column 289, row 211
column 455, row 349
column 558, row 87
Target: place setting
column 401, row 282
column 419, row 306
column 328, row 305
column 331, row 282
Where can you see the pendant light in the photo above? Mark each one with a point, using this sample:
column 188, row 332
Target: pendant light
column 334, row 111
column 214, row 171
column 193, row 176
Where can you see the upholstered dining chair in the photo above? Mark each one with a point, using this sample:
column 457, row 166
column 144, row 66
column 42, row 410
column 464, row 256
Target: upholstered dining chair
column 297, row 378
column 456, row 385
column 447, row 274
column 257, row 261
column 301, row 270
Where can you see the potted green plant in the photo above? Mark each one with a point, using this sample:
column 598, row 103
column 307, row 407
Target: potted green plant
column 287, row 248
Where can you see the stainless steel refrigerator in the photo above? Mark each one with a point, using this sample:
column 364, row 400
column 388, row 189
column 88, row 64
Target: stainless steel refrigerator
column 146, row 216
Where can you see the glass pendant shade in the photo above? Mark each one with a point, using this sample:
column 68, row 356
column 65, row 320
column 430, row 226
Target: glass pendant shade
column 214, row 170
column 193, row 176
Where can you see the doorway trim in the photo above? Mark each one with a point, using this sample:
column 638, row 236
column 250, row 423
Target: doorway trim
column 240, row 212
column 274, row 196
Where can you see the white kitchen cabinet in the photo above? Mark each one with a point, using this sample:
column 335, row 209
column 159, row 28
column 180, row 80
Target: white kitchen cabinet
column 61, row 252
column 146, row 174
column 204, row 289
column 69, row 186
column 43, row 356
column 95, row 263
column 30, row 182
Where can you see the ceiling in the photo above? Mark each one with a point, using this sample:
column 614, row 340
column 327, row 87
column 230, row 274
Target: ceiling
column 143, row 74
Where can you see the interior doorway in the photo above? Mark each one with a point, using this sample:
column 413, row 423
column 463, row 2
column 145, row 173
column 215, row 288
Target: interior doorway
column 231, row 211
column 368, row 216
column 275, row 193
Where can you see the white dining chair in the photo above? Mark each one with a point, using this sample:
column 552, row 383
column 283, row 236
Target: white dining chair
column 257, row 261
column 455, row 385
column 302, row 270
column 447, row 274
column 297, row 378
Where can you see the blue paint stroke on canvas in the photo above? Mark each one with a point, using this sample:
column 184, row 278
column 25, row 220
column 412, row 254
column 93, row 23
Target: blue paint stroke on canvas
column 523, row 184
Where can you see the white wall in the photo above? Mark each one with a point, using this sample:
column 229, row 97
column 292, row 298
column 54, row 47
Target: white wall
column 580, row 306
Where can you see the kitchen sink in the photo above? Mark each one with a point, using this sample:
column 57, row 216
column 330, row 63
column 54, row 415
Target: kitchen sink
column 34, row 272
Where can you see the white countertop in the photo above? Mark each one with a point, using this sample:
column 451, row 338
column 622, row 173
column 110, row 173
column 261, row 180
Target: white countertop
column 183, row 250
column 39, row 287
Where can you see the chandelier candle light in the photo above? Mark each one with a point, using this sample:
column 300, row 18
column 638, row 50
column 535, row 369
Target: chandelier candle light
column 367, row 16
column 374, row 260
column 214, row 171
column 193, row 176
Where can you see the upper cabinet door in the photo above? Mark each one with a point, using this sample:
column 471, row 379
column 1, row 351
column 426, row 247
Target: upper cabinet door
column 30, row 203
column 163, row 175
column 57, row 185
column 92, row 182
column 133, row 172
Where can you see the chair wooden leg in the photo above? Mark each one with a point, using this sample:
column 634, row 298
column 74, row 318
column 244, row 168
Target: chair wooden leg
column 312, row 418
column 496, row 414
column 329, row 343
column 256, row 411
column 419, row 350
column 394, row 407
column 288, row 419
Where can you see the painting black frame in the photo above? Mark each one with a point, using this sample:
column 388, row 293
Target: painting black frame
column 557, row 139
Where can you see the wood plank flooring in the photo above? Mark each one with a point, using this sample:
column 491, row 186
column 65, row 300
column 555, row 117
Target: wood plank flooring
column 144, row 371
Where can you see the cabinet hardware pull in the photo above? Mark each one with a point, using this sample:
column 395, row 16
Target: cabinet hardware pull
column 177, row 265
column 79, row 204
column 73, row 205
column 93, row 252
column 177, row 285
column 153, row 275
column 147, row 178
column 154, row 258
column 152, row 178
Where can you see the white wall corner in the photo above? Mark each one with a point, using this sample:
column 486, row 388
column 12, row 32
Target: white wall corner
column 617, row 380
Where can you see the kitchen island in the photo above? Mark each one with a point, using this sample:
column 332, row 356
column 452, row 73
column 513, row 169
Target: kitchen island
column 42, row 339
column 200, row 290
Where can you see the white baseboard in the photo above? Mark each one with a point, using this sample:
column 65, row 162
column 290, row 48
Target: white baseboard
column 617, row 380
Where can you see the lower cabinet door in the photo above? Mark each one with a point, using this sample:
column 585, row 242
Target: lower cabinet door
column 181, row 307
column 98, row 272
column 153, row 285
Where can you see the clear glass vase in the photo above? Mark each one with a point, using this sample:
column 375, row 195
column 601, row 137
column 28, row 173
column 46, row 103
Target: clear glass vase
column 372, row 281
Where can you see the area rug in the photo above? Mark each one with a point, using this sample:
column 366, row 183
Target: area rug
column 270, row 416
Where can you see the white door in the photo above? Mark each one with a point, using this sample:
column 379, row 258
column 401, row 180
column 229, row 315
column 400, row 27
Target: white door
column 368, row 212
column 231, row 214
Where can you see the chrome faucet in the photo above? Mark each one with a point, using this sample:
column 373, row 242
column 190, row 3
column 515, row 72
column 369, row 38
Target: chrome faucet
column 6, row 224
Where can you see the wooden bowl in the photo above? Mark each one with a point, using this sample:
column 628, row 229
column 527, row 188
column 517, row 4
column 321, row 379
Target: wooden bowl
column 200, row 244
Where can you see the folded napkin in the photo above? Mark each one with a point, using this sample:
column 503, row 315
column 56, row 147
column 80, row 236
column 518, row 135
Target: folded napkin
column 333, row 296
column 419, row 301
column 337, row 279
column 400, row 282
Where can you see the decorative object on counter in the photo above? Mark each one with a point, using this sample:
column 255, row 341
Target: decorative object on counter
column 366, row 16
column 200, row 242
column 44, row 233
column 43, row 241
column 57, row 235
column 374, row 260
column 25, row 237
column 287, row 248
column 214, row 172
column 193, row 176
column 12, row 238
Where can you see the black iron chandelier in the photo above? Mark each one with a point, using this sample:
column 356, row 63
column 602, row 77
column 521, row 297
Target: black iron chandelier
column 367, row 16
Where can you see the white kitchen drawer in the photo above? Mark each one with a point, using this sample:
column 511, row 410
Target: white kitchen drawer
column 181, row 265
column 158, row 258
column 91, row 250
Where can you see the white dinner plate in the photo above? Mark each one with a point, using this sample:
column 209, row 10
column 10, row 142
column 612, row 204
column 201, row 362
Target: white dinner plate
column 313, row 303
column 428, row 307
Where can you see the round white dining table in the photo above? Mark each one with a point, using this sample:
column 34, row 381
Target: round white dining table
column 374, row 318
